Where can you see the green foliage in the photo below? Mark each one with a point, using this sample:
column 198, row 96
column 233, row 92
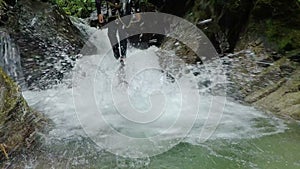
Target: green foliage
column 79, row 8
column 2, row 4
column 286, row 38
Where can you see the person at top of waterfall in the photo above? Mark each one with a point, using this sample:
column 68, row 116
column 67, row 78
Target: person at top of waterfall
column 115, row 10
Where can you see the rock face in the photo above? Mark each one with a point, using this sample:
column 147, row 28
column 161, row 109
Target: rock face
column 228, row 20
column 264, row 36
column 277, row 21
column 38, row 38
column 19, row 124
column 271, row 39
column 270, row 85
column 282, row 97
column 47, row 40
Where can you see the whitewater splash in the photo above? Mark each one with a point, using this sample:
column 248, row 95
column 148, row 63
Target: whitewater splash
column 106, row 121
column 155, row 109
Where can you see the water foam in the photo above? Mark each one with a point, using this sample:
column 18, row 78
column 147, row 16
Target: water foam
column 238, row 121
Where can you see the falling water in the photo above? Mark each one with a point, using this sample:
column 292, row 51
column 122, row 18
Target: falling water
column 10, row 57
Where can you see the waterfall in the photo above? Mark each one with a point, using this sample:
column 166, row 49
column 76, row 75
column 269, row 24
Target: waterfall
column 10, row 57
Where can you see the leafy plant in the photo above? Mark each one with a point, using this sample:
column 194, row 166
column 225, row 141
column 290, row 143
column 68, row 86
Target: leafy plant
column 79, row 8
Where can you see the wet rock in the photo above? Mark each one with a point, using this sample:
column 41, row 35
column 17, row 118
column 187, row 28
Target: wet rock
column 46, row 38
column 294, row 55
column 10, row 57
column 264, row 37
column 286, row 99
column 19, row 125
column 276, row 23
column 265, row 62
column 274, row 88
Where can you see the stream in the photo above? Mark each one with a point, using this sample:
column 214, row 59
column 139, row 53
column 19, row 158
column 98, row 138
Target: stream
column 242, row 136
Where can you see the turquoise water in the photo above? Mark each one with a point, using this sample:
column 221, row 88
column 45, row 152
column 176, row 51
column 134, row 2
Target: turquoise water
column 277, row 151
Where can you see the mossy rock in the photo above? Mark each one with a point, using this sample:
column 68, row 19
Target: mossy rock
column 19, row 124
column 277, row 23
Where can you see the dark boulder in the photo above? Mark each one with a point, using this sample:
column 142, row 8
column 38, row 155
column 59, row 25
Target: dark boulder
column 47, row 40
